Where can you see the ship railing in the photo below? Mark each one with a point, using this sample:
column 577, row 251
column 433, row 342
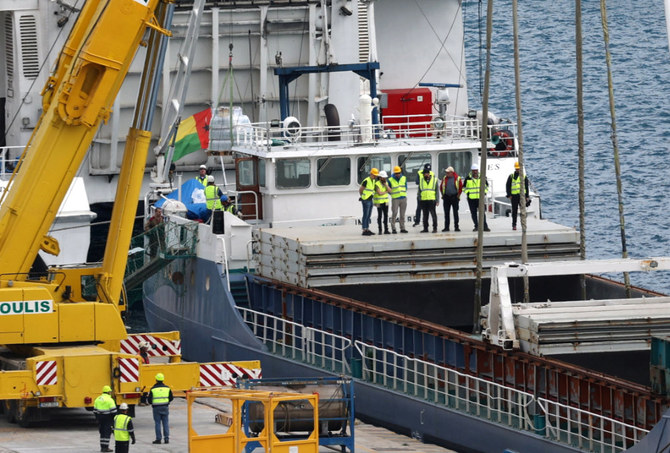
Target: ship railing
column 298, row 342
column 9, row 158
column 446, row 386
column 273, row 136
column 586, row 430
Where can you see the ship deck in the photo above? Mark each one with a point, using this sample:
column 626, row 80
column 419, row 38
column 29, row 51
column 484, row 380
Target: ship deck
column 327, row 256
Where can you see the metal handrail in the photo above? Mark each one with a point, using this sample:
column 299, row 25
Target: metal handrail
column 299, row 342
column 242, row 192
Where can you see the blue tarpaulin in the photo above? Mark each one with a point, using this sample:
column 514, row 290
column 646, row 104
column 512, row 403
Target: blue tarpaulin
column 193, row 210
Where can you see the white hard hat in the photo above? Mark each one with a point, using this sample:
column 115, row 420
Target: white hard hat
column 203, row 167
column 210, row 178
column 144, row 344
column 123, row 407
column 383, row 174
column 475, row 167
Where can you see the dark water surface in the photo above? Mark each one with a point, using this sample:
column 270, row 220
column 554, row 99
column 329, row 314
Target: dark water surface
column 641, row 77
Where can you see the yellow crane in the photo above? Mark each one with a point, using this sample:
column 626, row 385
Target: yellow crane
column 61, row 345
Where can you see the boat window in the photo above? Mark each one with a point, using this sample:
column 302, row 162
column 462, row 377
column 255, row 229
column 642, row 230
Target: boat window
column 367, row 163
column 412, row 164
column 461, row 161
column 292, row 173
column 245, row 173
column 261, row 172
column 333, row 171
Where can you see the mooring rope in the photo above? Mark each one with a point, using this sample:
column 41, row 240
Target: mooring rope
column 615, row 141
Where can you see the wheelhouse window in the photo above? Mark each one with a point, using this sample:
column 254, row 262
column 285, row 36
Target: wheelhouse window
column 245, row 172
column 461, row 161
column 261, row 172
column 333, row 171
column 413, row 164
column 292, row 173
column 365, row 164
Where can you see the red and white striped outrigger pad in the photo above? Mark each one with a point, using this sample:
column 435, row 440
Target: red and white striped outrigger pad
column 157, row 346
column 130, row 370
column 222, row 374
column 46, row 372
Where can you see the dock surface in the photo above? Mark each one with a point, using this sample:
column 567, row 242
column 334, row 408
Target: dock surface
column 76, row 431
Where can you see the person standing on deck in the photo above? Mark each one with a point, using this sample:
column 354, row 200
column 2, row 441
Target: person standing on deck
column 381, row 201
column 451, row 188
column 471, row 188
column 202, row 176
column 417, row 214
column 212, row 196
column 513, row 188
column 430, row 199
column 160, row 397
column 124, row 432
column 104, row 409
column 367, row 190
column 398, row 185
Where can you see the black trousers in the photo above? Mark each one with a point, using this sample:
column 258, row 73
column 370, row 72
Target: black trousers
column 428, row 206
column 105, row 423
column 383, row 211
column 516, row 199
column 450, row 202
column 121, row 446
column 474, row 207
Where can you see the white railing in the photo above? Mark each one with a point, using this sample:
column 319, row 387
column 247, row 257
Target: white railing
column 587, row 430
column 298, row 342
column 443, row 385
column 9, row 156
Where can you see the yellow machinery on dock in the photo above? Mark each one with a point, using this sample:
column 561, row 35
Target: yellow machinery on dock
column 62, row 342
column 270, row 408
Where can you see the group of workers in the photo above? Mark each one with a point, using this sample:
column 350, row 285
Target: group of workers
column 216, row 199
column 121, row 424
column 375, row 190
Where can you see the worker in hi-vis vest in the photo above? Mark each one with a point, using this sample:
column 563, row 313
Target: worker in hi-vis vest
column 104, row 409
column 160, row 397
column 123, row 430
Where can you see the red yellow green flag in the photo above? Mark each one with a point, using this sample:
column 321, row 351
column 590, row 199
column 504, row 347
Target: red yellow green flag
column 192, row 134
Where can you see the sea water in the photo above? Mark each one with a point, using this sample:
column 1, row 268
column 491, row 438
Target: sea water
column 641, row 78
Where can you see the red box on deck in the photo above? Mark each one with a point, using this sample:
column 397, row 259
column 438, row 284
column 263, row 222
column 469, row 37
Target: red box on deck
column 406, row 106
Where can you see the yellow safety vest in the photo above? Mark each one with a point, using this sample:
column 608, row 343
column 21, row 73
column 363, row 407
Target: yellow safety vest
column 472, row 188
column 515, row 188
column 212, row 197
column 104, row 404
column 160, row 396
column 369, row 189
column 398, row 187
column 428, row 189
column 384, row 197
column 202, row 180
column 121, row 432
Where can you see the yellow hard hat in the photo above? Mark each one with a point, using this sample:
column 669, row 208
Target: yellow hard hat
column 374, row 172
column 160, row 377
column 106, row 389
column 397, row 169
column 516, row 165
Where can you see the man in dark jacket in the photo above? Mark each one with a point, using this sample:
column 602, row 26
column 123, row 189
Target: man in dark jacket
column 513, row 188
column 160, row 397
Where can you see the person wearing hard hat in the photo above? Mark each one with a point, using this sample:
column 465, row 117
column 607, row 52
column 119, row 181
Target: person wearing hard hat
column 430, row 198
column 227, row 205
column 202, row 175
column 398, row 184
column 366, row 191
column 212, row 196
column 451, row 188
column 104, row 409
column 471, row 189
column 124, row 433
column 419, row 177
column 160, row 397
column 381, row 201
column 513, row 188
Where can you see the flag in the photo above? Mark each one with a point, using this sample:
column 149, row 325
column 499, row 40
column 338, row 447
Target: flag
column 192, row 134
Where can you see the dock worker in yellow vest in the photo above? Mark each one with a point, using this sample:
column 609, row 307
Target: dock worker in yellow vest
column 430, row 199
column 513, row 188
column 212, row 196
column 471, row 189
column 381, row 201
column 123, row 430
column 398, row 184
column 160, row 397
column 367, row 191
column 202, row 175
column 104, row 409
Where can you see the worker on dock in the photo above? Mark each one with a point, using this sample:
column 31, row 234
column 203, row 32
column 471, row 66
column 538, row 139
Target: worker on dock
column 451, row 188
column 513, row 188
column 213, row 196
column 160, row 397
column 398, row 184
column 202, row 175
column 227, row 205
column 104, row 409
column 124, row 433
column 430, row 199
column 419, row 176
column 471, row 188
column 366, row 191
column 381, row 201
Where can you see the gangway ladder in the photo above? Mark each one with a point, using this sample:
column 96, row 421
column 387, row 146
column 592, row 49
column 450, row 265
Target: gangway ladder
column 177, row 96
